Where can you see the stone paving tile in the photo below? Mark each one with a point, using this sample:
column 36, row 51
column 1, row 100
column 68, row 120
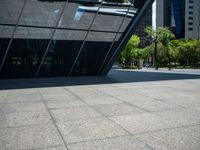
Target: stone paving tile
column 29, row 137
column 15, row 97
column 145, row 122
column 74, row 113
column 22, row 91
column 23, row 98
column 54, row 90
column 20, row 107
column 85, row 92
column 195, row 128
column 91, row 129
column 189, row 100
column 117, row 92
column 117, row 109
column 126, row 86
column 57, row 96
column 119, row 143
column 112, row 90
column 150, row 91
column 172, row 139
column 106, row 88
column 135, row 98
column 3, row 95
column 183, row 117
column 153, row 106
column 54, row 148
column 101, row 100
column 174, row 121
column 24, row 118
column 66, row 103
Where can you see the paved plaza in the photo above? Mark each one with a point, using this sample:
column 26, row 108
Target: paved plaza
column 127, row 110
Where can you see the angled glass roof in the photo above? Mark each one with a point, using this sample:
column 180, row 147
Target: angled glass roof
column 48, row 38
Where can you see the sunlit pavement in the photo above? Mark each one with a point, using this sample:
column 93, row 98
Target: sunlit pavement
column 128, row 110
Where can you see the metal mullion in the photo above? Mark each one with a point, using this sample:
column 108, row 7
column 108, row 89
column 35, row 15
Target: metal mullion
column 114, row 40
column 51, row 39
column 61, row 28
column 132, row 26
column 81, row 48
column 13, row 34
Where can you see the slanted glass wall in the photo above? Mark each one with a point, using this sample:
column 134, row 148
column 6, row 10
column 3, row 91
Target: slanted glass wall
column 60, row 38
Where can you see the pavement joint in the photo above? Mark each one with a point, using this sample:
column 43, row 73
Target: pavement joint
column 188, row 126
column 127, row 112
column 54, row 122
column 116, row 124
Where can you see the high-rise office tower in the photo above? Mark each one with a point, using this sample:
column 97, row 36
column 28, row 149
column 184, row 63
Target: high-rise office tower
column 181, row 16
column 140, row 31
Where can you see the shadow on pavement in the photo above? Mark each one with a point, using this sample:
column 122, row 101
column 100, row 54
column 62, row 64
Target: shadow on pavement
column 115, row 76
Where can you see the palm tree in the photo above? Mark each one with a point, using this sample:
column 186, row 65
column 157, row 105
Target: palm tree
column 164, row 36
column 154, row 35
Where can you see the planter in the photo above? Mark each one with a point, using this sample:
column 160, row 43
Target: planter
column 140, row 63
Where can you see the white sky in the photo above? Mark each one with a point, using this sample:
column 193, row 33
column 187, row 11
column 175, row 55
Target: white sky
column 154, row 15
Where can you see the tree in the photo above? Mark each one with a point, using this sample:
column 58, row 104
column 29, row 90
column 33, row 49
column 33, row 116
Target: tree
column 127, row 55
column 154, row 35
column 163, row 36
column 189, row 53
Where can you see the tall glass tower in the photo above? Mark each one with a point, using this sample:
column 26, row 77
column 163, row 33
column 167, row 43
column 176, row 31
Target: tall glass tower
column 178, row 14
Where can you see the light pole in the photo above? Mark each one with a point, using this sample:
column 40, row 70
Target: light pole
column 155, row 52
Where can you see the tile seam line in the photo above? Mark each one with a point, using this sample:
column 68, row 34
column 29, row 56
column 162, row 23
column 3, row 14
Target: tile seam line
column 112, row 121
column 166, row 129
column 40, row 148
column 22, row 126
column 152, row 112
column 54, row 122
column 123, row 101
column 100, row 139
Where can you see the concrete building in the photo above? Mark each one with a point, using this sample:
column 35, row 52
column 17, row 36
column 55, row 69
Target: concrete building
column 181, row 16
column 192, row 19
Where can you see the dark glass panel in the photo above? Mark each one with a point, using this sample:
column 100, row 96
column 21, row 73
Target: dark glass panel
column 130, row 15
column 92, row 54
column 110, row 16
column 41, row 13
column 62, row 53
column 100, row 36
column 25, row 53
column 10, row 10
column 112, row 50
column 5, row 34
column 78, row 15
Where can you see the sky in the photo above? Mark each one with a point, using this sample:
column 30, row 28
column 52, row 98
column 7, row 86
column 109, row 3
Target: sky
column 154, row 15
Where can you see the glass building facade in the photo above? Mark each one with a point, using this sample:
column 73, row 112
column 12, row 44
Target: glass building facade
column 63, row 38
column 178, row 15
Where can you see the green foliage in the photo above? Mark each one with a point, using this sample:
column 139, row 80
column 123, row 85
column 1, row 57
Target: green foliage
column 170, row 51
column 140, row 53
column 127, row 55
column 163, row 37
column 188, row 52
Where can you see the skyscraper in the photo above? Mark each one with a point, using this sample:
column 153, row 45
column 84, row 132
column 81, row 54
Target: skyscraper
column 145, row 21
column 181, row 16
